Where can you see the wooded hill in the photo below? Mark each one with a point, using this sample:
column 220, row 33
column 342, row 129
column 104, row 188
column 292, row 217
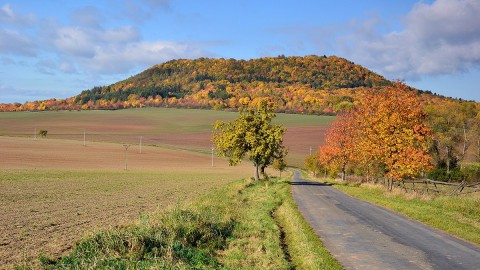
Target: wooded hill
column 310, row 84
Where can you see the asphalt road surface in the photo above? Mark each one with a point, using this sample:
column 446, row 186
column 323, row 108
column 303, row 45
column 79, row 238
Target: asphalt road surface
column 365, row 236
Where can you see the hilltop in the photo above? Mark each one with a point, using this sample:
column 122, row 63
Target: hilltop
column 310, row 84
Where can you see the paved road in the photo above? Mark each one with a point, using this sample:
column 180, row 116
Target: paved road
column 365, row 236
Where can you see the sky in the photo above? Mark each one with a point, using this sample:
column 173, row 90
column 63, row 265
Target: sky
column 56, row 49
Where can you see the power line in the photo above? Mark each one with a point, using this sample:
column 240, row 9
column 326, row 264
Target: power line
column 213, row 149
column 126, row 160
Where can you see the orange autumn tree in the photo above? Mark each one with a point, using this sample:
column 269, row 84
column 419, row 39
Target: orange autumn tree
column 338, row 151
column 393, row 131
column 387, row 130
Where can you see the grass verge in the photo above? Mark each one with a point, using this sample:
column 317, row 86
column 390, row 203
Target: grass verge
column 247, row 225
column 457, row 215
column 304, row 246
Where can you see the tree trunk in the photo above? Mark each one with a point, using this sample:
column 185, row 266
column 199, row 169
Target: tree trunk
column 256, row 171
column 343, row 173
column 478, row 150
column 262, row 171
column 448, row 159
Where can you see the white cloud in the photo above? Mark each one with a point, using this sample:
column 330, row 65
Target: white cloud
column 75, row 41
column 6, row 11
column 50, row 67
column 10, row 94
column 87, row 46
column 7, row 61
column 79, row 42
column 87, row 16
column 438, row 38
column 67, row 67
column 12, row 42
column 7, row 15
column 121, row 59
column 116, row 50
column 120, row 35
column 140, row 11
column 46, row 66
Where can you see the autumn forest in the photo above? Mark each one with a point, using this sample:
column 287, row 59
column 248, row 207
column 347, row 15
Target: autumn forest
column 311, row 84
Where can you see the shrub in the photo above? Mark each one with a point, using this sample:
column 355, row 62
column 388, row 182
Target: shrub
column 441, row 174
column 471, row 171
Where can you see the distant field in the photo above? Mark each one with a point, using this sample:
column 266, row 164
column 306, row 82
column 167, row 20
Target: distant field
column 175, row 128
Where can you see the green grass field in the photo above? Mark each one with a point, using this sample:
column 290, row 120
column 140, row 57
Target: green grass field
column 134, row 121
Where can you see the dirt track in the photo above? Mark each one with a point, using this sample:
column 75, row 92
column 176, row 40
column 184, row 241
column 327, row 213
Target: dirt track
column 365, row 236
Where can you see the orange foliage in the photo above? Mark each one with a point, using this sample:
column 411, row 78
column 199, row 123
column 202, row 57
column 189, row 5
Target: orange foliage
column 338, row 151
column 386, row 129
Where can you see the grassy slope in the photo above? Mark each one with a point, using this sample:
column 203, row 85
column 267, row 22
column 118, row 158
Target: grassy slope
column 136, row 121
column 457, row 215
column 244, row 226
column 147, row 120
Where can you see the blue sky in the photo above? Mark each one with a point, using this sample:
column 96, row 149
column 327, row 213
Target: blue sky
column 59, row 48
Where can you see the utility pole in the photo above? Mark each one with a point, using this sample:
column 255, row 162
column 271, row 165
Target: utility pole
column 84, row 137
column 141, row 137
column 213, row 149
column 126, row 148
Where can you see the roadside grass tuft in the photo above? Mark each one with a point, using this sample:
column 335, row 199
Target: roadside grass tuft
column 181, row 238
column 246, row 225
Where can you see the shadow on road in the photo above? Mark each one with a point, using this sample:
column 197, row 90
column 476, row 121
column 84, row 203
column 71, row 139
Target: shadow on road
column 308, row 183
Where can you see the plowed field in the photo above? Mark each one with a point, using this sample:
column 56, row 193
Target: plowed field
column 53, row 192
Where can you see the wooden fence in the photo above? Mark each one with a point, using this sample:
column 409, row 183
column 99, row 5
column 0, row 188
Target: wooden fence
column 438, row 187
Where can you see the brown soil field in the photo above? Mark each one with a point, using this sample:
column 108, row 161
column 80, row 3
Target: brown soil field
column 172, row 128
column 54, row 192
column 297, row 139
